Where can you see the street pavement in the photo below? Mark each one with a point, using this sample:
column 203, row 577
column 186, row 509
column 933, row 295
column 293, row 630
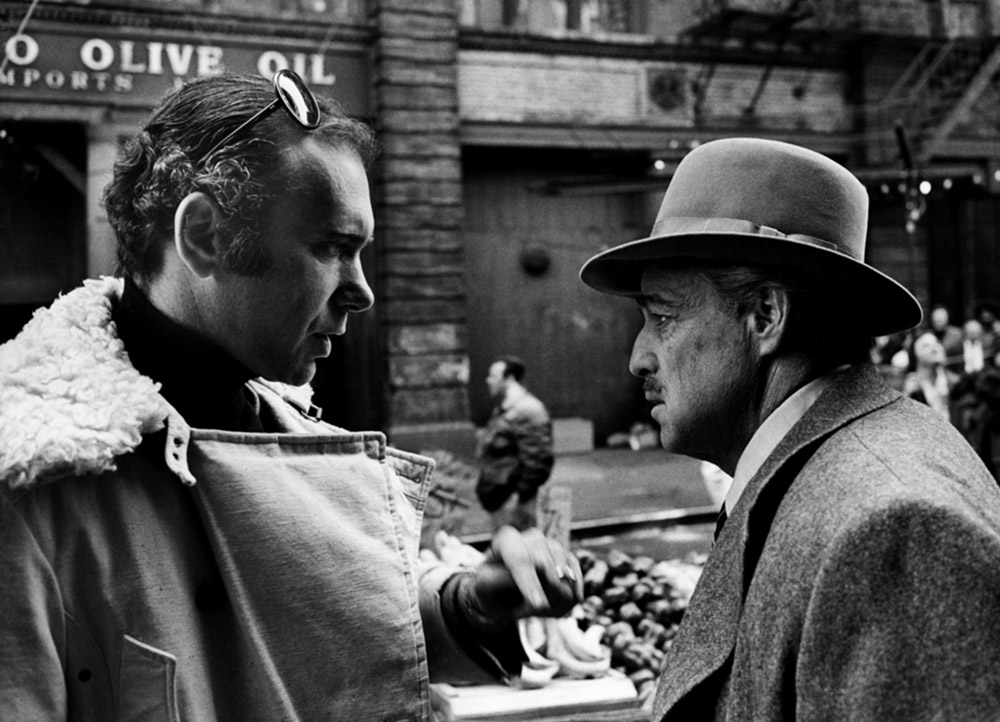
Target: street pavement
column 608, row 484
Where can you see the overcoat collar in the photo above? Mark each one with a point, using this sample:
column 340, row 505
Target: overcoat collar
column 707, row 636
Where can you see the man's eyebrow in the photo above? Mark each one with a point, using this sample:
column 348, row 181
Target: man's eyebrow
column 647, row 299
column 355, row 239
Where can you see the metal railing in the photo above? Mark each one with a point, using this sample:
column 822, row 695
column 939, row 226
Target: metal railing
column 623, row 525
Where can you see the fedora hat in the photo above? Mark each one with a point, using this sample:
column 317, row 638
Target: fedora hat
column 769, row 204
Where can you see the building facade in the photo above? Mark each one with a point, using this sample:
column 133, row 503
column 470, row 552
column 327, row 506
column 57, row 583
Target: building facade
column 519, row 137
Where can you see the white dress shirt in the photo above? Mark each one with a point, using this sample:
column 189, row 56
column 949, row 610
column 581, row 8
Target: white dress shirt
column 772, row 431
column 973, row 353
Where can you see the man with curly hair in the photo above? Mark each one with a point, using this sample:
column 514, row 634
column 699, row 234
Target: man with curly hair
column 181, row 535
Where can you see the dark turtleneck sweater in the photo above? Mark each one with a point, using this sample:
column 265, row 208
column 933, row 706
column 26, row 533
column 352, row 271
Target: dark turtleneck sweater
column 203, row 382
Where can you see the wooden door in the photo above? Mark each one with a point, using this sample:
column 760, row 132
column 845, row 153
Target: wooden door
column 42, row 216
column 575, row 342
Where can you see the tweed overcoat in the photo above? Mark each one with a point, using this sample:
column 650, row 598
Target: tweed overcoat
column 858, row 577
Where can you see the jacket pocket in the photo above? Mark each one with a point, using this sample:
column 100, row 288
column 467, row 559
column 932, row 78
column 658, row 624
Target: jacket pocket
column 146, row 683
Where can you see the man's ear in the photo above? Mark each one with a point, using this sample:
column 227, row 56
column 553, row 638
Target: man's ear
column 768, row 320
column 196, row 235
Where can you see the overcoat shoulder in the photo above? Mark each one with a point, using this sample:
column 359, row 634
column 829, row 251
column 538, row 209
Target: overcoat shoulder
column 858, row 577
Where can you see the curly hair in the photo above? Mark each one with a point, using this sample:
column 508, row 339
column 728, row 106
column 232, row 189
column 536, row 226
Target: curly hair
column 159, row 166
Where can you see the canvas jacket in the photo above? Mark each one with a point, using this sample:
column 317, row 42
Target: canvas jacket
column 858, row 577
column 150, row 571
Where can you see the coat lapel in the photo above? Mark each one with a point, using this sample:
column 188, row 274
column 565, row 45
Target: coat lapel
column 708, row 633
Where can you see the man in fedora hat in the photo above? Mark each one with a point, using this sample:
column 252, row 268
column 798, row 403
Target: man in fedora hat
column 856, row 569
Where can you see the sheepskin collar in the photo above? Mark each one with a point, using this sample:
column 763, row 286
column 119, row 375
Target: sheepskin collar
column 70, row 400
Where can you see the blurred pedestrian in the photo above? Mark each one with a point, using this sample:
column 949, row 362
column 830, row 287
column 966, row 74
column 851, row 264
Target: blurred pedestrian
column 975, row 397
column 948, row 334
column 930, row 382
column 856, row 573
column 986, row 313
column 891, row 356
column 975, row 402
column 515, row 449
column 976, row 349
column 885, row 349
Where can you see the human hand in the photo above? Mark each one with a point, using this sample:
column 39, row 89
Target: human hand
column 525, row 574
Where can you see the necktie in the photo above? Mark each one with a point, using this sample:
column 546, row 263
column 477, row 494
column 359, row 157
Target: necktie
column 720, row 520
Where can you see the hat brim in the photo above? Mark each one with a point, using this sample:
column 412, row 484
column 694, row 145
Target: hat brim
column 888, row 307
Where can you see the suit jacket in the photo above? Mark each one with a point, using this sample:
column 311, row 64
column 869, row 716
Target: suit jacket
column 858, row 576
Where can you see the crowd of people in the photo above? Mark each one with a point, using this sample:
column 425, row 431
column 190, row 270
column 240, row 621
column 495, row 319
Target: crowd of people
column 953, row 368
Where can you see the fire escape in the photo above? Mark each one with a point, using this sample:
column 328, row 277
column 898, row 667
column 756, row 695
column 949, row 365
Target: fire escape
column 936, row 92
column 948, row 74
column 772, row 28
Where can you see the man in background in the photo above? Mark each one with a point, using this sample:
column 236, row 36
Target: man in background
column 978, row 347
column 515, row 448
column 931, row 381
column 949, row 335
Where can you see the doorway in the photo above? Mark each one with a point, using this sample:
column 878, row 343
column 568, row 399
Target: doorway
column 42, row 216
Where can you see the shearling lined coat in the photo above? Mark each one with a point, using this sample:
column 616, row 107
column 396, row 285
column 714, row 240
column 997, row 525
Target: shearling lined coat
column 858, row 577
column 150, row 571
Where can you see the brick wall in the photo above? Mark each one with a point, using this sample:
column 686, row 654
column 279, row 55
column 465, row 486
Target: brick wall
column 421, row 284
column 532, row 87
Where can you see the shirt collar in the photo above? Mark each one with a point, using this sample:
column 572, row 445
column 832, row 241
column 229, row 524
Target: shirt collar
column 772, row 431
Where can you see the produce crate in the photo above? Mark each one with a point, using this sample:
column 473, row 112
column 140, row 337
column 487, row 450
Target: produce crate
column 631, row 612
column 608, row 699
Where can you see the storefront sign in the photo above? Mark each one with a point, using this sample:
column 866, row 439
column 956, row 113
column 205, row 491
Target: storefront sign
column 133, row 71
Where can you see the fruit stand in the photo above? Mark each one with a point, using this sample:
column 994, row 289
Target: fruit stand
column 602, row 662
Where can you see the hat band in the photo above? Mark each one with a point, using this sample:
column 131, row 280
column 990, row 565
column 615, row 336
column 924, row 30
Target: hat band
column 686, row 225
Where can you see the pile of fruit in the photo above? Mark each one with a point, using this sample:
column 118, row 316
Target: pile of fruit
column 626, row 622
column 560, row 648
column 638, row 603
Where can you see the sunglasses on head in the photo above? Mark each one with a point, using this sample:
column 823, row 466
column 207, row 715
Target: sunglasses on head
column 292, row 94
